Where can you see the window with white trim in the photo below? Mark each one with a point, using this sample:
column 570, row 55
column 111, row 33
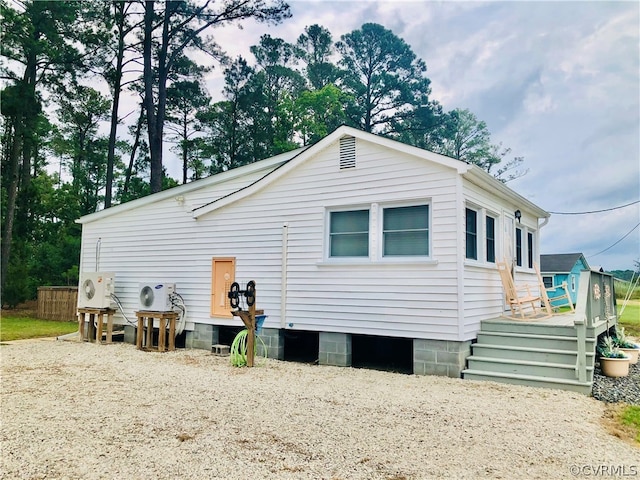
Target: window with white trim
column 349, row 233
column 490, row 239
column 405, row 231
column 530, row 249
column 471, row 234
column 519, row 247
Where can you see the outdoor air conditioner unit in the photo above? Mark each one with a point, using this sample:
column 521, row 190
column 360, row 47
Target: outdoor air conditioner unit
column 156, row 297
column 95, row 289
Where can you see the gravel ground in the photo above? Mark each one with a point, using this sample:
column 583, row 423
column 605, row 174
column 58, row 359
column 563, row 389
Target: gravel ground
column 613, row 390
column 84, row 411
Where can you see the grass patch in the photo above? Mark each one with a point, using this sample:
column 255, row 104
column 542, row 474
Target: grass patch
column 623, row 421
column 19, row 327
column 630, row 318
column 630, row 417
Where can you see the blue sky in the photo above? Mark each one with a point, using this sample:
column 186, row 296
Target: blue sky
column 557, row 82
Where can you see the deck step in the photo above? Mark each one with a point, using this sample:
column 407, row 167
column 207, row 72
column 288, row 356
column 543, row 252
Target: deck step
column 560, row 371
column 530, row 328
column 535, row 354
column 555, row 342
column 529, row 380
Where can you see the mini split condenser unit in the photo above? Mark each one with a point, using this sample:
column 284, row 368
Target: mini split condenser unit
column 95, row 289
column 156, row 297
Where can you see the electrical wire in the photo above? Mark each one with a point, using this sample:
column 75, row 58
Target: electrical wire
column 611, row 246
column 119, row 304
column 596, row 211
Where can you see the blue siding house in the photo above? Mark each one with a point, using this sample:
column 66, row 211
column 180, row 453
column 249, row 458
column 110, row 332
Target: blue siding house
column 563, row 267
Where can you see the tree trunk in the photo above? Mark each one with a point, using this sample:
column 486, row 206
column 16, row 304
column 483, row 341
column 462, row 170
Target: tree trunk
column 155, row 143
column 114, row 107
column 12, row 194
column 134, row 149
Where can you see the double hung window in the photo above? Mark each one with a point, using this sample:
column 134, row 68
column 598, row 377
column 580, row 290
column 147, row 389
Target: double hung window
column 349, row 233
column 405, row 231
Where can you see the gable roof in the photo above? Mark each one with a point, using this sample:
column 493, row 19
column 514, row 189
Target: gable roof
column 474, row 173
column 561, row 262
column 266, row 166
column 279, row 165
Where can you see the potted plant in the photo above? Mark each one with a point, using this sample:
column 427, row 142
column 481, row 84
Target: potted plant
column 613, row 362
column 625, row 345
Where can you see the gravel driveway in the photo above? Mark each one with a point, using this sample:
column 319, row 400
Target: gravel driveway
column 84, row 411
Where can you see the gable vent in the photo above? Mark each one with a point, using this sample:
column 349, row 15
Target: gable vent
column 347, row 152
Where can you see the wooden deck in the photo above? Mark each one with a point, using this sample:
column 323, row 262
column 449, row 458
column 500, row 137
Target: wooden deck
column 557, row 352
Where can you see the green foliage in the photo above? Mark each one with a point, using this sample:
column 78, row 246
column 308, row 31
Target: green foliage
column 630, row 319
column 622, row 289
column 630, row 416
column 384, row 76
column 608, row 349
column 294, row 94
column 19, row 328
column 621, row 340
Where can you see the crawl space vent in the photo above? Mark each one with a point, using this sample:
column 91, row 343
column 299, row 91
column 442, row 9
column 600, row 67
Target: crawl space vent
column 347, row 152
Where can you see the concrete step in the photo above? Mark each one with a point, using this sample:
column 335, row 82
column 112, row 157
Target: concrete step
column 554, row 342
column 526, row 367
column 528, row 380
column 567, row 357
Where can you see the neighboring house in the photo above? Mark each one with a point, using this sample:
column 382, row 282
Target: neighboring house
column 354, row 235
column 563, row 267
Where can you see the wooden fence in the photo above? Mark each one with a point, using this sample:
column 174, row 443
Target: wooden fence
column 58, row 303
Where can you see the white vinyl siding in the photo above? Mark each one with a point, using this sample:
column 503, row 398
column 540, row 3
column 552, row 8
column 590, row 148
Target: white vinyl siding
column 387, row 295
column 161, row 241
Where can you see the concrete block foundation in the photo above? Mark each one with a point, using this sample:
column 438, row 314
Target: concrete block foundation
column 202, row 337
column 335, row 349
column 130, row 334
column 440, row 357
column 273, row 339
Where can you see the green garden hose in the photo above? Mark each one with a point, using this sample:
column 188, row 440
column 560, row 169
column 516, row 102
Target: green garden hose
column 239, row 349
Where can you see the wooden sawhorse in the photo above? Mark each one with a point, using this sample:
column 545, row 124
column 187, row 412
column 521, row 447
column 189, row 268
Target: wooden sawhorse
column 145, row 342
column 97, row 315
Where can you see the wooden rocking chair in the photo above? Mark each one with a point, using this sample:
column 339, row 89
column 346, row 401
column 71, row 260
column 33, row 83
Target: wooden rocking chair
column 521, row 300
column 564, row 298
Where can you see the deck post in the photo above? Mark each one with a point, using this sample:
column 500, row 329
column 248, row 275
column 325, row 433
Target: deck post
column 581, row 361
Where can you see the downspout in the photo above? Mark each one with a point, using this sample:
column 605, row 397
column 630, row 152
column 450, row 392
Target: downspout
column 283, row 285
column 460, row 255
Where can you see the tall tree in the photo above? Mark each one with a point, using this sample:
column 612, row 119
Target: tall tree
column 39, row 41
column 227, row 122
column 468, row 139
column 278, row 83
column 122, row 17
column 384, row 75
column 80, row 114
column 168, row 33
column 185, row 99
column 315, row 48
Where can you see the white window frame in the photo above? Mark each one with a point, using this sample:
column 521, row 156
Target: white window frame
column 479, row 232
column 379, row 227
column 327, row 234
column 496, row 230
column 526, row 231
column 481, row 235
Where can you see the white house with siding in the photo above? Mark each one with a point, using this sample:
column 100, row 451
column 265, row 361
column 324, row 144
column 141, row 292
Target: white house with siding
column 354, row 235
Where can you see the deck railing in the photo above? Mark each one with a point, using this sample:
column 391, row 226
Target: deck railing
column 595, row 305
